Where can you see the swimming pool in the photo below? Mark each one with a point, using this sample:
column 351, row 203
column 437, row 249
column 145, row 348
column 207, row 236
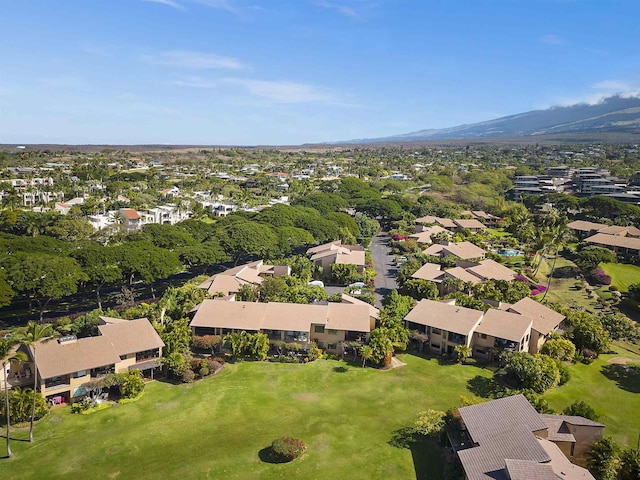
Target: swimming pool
column 508, row 253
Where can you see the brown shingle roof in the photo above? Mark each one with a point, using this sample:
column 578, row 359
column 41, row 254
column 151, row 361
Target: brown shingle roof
column 584, row 226
column 545, row 320
column 510, row 326
column 429, row 271
column 469, row 223
column 281, row 316
column 131, row 336
column 444, row 316
column 491, row 270
column 463, row 250
column 56, row 359
column 614, row 241
column 115, row 339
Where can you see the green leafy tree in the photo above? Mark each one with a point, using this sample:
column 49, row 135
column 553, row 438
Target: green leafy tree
column 382, row 346
column 558, row 348
column 207, row 253
column 238, row 341
column 604, row 459
column 430, row 423
column 101, row 266
column 7, row 355
column 620, row 327
column 32, row 335
column 43, row 277
column 258, row 346
column 145, row 261
column 249, row 238
column 630, row 469
column 589, row 333
column 6, row 292
column 343, row 274
column 537, row 372
column 580, row 408
column 419, row 289
column 132, row 384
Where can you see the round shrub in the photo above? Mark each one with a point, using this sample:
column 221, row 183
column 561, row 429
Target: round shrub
column 188, row 376
column 286, row 449
column 204, row 371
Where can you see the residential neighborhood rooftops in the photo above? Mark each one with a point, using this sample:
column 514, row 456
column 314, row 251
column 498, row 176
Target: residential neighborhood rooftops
column 444, row 316
column 545, row 320
column 130, row 213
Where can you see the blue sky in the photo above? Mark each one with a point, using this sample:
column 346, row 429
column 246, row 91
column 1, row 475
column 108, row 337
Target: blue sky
column 278, row 72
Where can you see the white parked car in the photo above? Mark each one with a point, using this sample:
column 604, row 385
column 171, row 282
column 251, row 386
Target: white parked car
column 316, row 283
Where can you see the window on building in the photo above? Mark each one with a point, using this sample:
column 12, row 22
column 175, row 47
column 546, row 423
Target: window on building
column 436, row 331
column 318, row 329
column 333, row 331
column 80, row 373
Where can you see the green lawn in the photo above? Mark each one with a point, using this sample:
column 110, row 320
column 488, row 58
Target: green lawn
column 616, row 401
column 622, row 274
column 215, row 428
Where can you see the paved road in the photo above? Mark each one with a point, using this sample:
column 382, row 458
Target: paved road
column 385, row 272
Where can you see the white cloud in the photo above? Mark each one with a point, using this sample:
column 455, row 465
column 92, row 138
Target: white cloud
column 551, row 39
column 343, row 9
column 219, row 4
column 192, row 81
column 602, row 90
column 169, row 3
column 193, row 60
column 283, row 91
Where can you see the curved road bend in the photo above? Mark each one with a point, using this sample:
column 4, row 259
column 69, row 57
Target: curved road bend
column 385, row 272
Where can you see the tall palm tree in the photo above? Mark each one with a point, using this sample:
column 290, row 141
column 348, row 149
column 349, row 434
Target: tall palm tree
column 6, row 357
column 33, row 334
column 561, row 236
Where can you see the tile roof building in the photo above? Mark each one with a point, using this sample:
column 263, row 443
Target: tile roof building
column 506, row 439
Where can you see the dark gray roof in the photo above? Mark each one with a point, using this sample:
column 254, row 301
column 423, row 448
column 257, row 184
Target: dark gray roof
column 573, row 420
column 527, row 470
column 485, row 420
column 502, row 429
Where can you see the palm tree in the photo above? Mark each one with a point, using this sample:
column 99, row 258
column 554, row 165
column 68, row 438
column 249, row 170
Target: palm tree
column 33, row 334
column 6, row 357
column 366, row 352
column 561, row 236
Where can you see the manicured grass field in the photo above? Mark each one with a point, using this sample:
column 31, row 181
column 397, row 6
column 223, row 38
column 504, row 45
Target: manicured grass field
column 622, row 274
column 216, row 428
column 616, row 400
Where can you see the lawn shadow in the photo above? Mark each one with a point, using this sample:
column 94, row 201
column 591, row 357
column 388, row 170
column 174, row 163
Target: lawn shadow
column 341, row 369
column 428, row 456
column 626, row 377
column 484, row 387
column 267, row 455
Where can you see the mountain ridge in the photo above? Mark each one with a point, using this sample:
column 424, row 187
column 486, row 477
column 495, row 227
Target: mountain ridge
column 615, row 114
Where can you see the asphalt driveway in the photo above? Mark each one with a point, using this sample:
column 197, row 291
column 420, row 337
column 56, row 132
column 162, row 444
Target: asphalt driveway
column 385, row 271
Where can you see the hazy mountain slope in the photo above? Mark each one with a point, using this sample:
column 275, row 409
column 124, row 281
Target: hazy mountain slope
column 614, row 114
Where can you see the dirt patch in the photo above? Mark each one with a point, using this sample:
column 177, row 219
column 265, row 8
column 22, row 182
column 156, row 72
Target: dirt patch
column 396, row 363
column 620, row 360
column 166, row 405
column 307, row 397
